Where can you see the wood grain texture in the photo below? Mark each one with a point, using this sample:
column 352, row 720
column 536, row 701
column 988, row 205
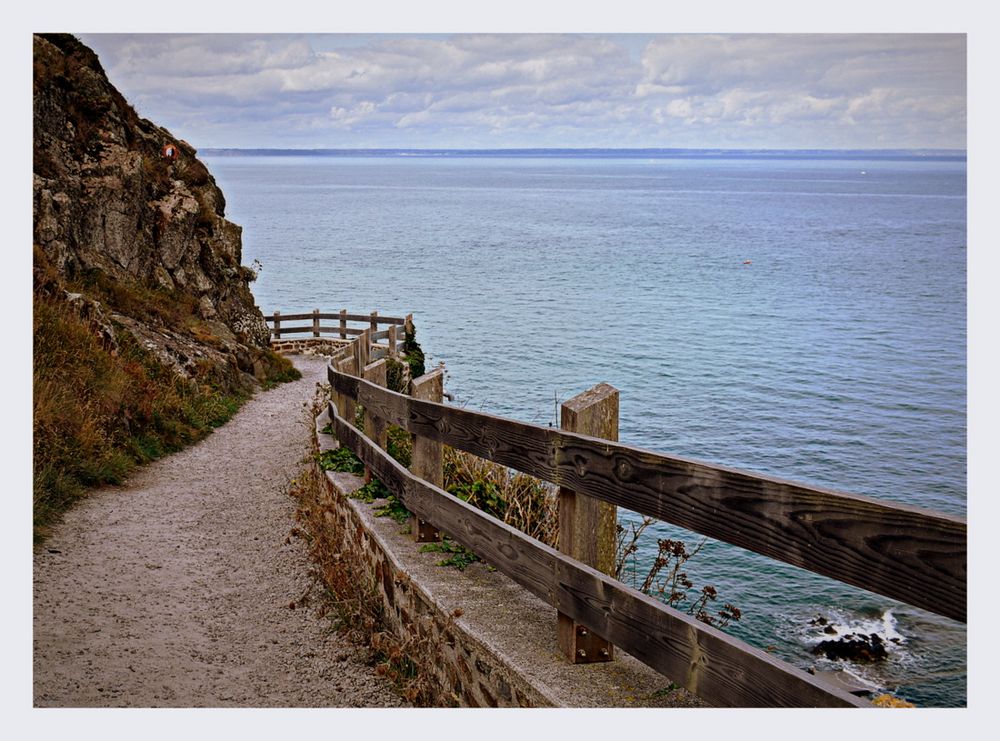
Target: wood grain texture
column 427, row 460
column 361, row 349
column 393, row 409
column 587, row 525
column 428, row 453
column 718, row 668
column 902, row 552
column 375, row 426
column 346, row 369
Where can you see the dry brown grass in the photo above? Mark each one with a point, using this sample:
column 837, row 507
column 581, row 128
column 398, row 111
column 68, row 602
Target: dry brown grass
column 352, row 600
column 149, row 304
column 517, row 499
column 97, row 414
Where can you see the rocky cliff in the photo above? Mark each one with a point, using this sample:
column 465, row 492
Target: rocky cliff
column 112, row 209
column 146, row 332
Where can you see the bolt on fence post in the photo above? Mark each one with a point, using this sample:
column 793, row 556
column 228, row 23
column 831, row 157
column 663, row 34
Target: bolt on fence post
column 427, row 457
column 587, row 526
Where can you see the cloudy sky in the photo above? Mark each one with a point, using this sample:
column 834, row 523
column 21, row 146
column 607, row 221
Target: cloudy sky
column 538, row 90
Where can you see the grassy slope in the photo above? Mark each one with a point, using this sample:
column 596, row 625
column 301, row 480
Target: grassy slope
column 97, row 414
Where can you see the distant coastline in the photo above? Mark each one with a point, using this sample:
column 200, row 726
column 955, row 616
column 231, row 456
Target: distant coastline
column 892, row 155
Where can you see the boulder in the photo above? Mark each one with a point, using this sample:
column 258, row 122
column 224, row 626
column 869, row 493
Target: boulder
column 855, row 647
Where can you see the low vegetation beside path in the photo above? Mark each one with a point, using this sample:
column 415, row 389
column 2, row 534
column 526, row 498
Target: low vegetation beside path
column 104, row 402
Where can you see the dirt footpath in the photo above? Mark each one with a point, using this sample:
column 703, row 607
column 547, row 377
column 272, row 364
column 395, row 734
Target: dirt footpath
column 175, row 589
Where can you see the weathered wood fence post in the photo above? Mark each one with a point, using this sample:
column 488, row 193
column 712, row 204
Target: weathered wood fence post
column 427, row 457
column 374, row 322
column 361, row 347
column 315, row 322
column 277, row 325
column 360, row 362
column 343, row 324
column 345, row 404
column 587, row 526
column 392, row 340
column 375, row 427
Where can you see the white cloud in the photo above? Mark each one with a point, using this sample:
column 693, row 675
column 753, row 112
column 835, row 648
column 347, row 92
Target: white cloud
column 546, row 90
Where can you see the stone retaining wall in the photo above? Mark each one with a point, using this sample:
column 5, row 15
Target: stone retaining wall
column 466, row 673
column 308, row 346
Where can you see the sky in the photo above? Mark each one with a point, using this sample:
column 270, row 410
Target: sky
column 501, row 90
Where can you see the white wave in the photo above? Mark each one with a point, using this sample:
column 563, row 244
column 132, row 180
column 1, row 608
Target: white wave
column 840, row 623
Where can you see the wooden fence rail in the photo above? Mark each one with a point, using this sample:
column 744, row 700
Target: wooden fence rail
column 902, row 552
column 269, row 318
column 906, row 553
column 282, row 330
column 393, row 333
column 720, row 669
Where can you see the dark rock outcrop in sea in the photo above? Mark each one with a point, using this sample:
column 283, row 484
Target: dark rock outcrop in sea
column 853, row 647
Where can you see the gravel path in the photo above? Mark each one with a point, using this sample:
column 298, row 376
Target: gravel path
column 175, row 589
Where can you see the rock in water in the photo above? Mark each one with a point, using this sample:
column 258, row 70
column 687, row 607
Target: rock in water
column 853, row 647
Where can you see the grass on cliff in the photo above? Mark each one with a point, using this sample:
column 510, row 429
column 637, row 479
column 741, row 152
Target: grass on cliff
column 151, row 305
column 98, row 414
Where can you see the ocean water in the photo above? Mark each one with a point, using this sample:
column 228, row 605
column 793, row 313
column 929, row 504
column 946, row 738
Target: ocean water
column 837, row 357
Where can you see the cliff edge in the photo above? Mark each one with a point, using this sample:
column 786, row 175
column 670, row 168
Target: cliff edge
column 145, row 326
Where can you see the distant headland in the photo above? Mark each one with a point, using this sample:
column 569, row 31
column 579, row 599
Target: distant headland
column 900, row 155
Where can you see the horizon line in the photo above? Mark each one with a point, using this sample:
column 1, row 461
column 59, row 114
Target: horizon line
column 927, row 154
column 591, row 149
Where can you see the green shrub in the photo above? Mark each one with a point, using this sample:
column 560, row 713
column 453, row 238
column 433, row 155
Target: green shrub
column 397, row 376
column 393, row 508
column 519, row 500
column 459, row 556
column 341, row 459
column 399, row 445
column 413, row 354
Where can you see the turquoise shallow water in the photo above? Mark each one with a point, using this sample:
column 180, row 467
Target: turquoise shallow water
column 838, row 357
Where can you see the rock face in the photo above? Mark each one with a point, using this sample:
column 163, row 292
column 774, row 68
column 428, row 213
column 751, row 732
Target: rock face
column 113, row 211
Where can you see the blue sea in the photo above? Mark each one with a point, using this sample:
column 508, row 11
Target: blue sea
column 800, row 314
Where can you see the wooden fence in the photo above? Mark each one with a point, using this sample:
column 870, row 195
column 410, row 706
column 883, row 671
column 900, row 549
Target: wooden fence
column 291, row 326
column 902, row 552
